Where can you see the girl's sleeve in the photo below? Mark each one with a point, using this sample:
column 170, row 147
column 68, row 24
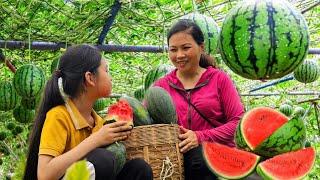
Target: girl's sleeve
column 54, row 135
column 232, row 109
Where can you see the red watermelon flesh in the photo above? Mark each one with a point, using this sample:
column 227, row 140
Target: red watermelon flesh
column 120, row 111
column 291, row 165
column 227, row 162
column 259, row 123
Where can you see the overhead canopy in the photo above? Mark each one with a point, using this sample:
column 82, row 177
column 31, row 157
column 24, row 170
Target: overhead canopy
column 134, row 22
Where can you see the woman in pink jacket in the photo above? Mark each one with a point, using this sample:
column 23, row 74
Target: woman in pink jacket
column 207, row 103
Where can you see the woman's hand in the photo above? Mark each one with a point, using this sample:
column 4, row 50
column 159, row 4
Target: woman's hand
column 112, row 132
column 189, row 140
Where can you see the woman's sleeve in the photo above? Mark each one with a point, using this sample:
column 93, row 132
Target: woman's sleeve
column 232, row 109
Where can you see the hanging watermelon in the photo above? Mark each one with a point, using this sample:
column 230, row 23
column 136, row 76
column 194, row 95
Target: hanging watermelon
column 307, row 72
column 29, row 81
column 264, row 39
column 8, row 96
column 209, row 28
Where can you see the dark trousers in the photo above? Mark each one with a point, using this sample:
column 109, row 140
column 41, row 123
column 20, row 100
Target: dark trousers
column 104, row 163
column 195, row 167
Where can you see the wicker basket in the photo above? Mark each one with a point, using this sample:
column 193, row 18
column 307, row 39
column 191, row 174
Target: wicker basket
column 158, row 145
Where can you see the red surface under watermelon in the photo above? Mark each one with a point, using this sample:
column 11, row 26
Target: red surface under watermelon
column 227, row 162
column 291, row 165
column 259, row 123
column 121, row 111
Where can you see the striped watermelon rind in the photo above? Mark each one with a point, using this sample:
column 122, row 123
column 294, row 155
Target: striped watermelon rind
column 140, row 114
column 286, row 109
column 299, row 111
column 8, row 96
column 30, row 103
column 139, row 93
column 259, row 123
column 263, row 39
column 156, row 73
column 29, row 81
column 307, row 72
column 289, row 137
column 101, row 104
column 209, row 28
column 23, row 115
column 160, row 106
column 240, row 142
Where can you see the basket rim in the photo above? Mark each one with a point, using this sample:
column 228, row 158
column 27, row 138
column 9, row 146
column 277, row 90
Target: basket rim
column 154, row 125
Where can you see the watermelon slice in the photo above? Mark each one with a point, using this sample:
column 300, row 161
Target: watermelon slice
column 227, row 162
column 259, row 123
column 289, row 137
column 120, row 111
column 291, row 165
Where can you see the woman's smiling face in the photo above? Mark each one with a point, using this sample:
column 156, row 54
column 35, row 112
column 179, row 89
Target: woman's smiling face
column 184, row 52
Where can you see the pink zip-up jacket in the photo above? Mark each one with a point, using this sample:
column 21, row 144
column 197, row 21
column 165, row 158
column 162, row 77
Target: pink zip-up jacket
column 215, row 97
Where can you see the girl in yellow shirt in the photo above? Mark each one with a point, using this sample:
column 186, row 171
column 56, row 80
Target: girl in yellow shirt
column 66, row 128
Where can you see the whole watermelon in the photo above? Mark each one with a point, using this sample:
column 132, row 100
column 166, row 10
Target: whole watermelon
column 299, row 111
column 307, row 72
column 30, row 103
column 139, row 93
column 156, row 73
column 119, row 151
column 101, row 104
column 29, row 81
column 263, row 39
column 23, row 115
column 286, row 109
column 8, row 96
column 209, row 29
column 140, row 114
column 160, row 106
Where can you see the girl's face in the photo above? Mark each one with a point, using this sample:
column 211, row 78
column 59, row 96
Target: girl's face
column 184, row 52
column 104, row 85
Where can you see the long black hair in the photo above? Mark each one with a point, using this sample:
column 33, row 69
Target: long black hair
column 188, row 26
column 72, row 66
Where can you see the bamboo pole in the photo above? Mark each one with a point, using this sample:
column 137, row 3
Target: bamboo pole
column 308, row 100
column 43, row 46
column 278, row 94
column 47, row 46
column 255, row 94
column 272, row 83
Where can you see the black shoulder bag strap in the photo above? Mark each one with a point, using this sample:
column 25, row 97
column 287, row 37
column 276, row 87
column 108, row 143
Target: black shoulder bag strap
column 189, row 101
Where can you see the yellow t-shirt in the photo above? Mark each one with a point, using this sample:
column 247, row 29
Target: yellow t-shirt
column 64, row 128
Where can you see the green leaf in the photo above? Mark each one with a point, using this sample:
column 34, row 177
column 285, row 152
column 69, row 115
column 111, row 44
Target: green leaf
column 77, row 171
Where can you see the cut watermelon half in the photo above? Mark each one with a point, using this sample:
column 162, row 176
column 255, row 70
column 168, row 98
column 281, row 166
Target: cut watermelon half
column 227, row 162
column 259, row 123
column 291, row 165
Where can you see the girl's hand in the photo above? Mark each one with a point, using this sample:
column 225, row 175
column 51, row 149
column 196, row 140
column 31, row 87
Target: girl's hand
column 112, row 132
column 189, row 140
